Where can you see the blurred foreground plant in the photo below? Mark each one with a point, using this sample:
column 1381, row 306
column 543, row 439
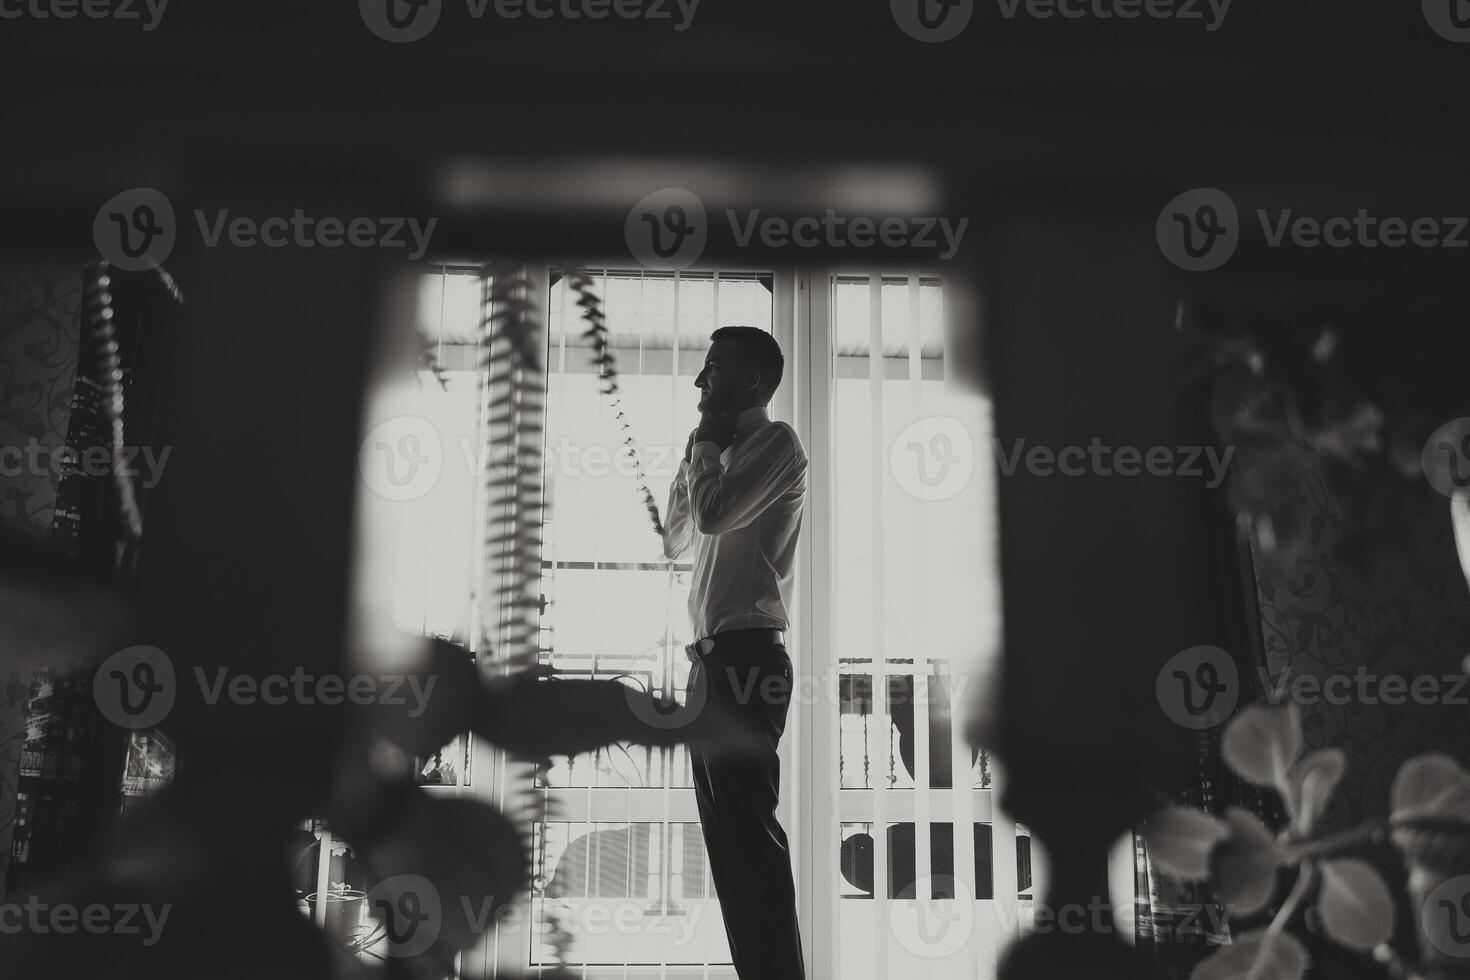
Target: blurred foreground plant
column 1429, row 824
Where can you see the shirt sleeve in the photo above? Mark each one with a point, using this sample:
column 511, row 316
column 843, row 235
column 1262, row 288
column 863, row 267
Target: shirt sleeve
column 678, row 528
column 722, row 499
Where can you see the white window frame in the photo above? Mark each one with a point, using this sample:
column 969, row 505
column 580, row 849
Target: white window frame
column 823, row 803
column 494, row 773
column 812, row 806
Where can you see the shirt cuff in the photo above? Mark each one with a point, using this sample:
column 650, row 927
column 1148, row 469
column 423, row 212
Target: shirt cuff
column 705, row 450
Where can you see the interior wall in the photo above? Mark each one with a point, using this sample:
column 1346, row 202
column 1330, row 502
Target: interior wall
column 40, row 319
column 1406, row 613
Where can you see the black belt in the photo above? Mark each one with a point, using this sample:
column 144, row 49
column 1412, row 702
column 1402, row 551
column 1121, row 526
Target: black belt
column 704, row 647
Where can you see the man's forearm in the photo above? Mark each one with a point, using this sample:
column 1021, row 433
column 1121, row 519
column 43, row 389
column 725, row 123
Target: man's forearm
column 678, row 527
column 724, row 499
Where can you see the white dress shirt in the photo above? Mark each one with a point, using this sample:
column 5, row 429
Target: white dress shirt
column 740, row 509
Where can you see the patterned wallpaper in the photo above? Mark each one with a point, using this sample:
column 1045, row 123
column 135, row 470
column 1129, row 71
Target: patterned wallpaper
column 13, row 696
column 1406, row 614
column 40, row 319
column 39, row 331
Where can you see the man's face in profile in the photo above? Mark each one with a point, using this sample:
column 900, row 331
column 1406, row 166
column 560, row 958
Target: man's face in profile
column 719, row 382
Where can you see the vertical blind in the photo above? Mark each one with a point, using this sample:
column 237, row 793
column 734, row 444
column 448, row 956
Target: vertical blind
column 928, row 865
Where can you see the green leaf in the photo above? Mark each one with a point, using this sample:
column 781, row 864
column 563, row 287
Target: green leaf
column 1262, row 742
column 1431, row 785
column 1355, row 904
column 1285, row 958
column 1312, row 781
column 1180, row 840
column 1244, row 864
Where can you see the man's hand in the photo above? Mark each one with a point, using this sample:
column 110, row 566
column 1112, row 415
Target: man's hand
column 689, row 446
column 716, row 425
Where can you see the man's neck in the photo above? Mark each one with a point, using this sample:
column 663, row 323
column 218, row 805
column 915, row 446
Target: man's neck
column 750, row 418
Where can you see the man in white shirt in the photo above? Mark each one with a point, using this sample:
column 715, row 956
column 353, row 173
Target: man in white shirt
column 737, row 504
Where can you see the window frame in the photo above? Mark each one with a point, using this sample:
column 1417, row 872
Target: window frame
column 812, row 806
column 496, row 776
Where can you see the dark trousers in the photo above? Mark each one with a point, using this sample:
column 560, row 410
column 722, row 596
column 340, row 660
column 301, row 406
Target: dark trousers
column 736, row 789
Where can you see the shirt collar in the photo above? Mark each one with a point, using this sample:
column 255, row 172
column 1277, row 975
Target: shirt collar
column 750, row 418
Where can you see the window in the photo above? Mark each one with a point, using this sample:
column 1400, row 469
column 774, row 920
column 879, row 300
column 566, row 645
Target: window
column 624, row 872
column 897, row 602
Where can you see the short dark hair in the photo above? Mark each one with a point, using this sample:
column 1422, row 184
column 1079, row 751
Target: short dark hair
column 759, row 348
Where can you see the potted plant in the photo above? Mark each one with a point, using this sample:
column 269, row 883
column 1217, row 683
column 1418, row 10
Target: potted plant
column 343, row 911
